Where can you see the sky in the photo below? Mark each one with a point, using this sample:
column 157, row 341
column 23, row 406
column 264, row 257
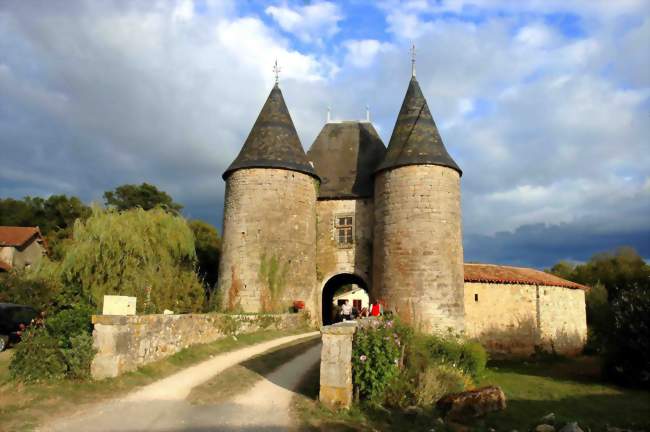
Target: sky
column 544, row 104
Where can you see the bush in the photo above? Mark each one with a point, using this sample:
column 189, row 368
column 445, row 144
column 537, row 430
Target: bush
column 38, row 287
column 79, row 356
column 376, row 356
column 627, row 357
column 38, row 357
column 467, row 356
column 60, row 348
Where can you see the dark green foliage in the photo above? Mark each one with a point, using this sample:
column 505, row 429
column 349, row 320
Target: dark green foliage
column 617, row 311
column 144, row 196
column 78, row 356
column 38, row 357
column 69, row 323
column 58, row 212
column 628, row 348
column 55, row 216
column 208, row 246
column 35, row 287
column 61, row 348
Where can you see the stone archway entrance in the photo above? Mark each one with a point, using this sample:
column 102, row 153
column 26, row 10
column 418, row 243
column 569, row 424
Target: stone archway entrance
column 335, row 286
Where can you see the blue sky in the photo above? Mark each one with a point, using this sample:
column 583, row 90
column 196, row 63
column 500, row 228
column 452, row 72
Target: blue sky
column 544, row 103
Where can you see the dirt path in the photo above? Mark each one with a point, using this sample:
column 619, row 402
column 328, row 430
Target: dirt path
column 161, row 406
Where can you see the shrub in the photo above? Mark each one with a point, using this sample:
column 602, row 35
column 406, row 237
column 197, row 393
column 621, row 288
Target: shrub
column 376, row 356
column 628, row 349
column 470, row 357
column 38, row 287
column 79, row 356
column 60, row 348
column 437, row 381
column 38, row 357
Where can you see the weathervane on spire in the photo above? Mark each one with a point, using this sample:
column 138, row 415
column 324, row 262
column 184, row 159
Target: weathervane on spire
column 413, row 60
column 276, row 71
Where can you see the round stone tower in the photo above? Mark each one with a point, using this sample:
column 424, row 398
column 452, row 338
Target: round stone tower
column 268, row 257
column 418, row 249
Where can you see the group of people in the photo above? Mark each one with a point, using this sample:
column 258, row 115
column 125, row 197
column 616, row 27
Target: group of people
column 348, row 312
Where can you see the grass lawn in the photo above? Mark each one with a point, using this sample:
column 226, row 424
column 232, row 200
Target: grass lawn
column 23, row 407
column 569, row 388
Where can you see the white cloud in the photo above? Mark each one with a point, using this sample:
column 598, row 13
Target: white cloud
column 362, row 53
column 313, row 22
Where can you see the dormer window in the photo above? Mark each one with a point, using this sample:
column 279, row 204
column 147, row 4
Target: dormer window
column 344, row 229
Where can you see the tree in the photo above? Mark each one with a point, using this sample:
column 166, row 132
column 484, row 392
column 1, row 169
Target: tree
column 146, row 254
column 58, row 212
column 145, row 196
column 208, row 247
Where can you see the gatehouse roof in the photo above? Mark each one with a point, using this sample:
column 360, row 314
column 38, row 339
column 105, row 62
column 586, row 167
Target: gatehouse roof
column 345, row 155
column 415, row 139
column 273, row 141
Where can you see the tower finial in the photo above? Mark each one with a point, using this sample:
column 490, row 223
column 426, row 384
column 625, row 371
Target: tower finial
column 329, row 113
column 413, row 60
column 276, row 71
column 368, row 113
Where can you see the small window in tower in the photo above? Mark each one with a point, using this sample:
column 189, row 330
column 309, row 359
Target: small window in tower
column 475, row 297
column 344, row 228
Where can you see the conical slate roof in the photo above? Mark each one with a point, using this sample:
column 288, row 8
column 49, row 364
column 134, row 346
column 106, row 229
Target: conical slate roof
column 345, row 155
column 273, row 141
column 415, row 139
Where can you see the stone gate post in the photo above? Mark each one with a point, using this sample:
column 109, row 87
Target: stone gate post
column 336, row 365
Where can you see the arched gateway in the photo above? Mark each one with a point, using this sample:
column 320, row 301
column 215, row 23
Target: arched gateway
column 332, row 287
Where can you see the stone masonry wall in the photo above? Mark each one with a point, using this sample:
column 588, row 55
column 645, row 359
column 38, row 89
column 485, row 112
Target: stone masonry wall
column 268, row 257
column 509, row 320
column 563, row 319
column 418, row 261
column 332, row 259
column 124, row 343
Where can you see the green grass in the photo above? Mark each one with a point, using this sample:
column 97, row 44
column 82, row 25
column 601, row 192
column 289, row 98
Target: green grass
column 244, row 375
column 570, row 388
column 23, row 407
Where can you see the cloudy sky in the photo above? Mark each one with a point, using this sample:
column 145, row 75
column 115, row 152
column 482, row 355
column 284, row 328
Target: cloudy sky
column 545, row 104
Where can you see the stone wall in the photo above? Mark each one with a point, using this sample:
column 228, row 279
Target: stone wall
column 418, row 265
column 124, row 343
column 336, row 365
column 332, row 259
column 511, row 320
column 268, row 256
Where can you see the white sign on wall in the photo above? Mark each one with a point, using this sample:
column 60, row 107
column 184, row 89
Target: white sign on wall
column 118, row 305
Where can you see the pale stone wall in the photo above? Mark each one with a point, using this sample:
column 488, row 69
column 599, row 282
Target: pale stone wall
column 7, row 255
column 563, row 319
column 124, row 343
column 511, row 320
column 30, row 255
column 332, row 259
column 268, row 257
column 418, row 264
column 336, row 365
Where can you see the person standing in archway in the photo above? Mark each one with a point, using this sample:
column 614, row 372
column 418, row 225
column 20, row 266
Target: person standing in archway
column 375, row 309
column 346, row 310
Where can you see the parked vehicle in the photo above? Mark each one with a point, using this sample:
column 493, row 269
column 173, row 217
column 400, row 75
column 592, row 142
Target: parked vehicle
column 14, row 319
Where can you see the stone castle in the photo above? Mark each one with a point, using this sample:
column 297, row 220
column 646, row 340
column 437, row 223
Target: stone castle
column 298, row 226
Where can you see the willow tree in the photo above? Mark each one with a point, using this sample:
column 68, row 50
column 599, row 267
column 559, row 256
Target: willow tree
column 146, row 254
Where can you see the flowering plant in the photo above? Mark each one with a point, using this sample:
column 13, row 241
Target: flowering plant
column 376, row 357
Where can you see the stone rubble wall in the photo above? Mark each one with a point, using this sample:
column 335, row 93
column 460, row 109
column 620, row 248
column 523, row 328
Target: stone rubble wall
column 418, row 258
column 124, row 343
column 512, row 320
column 268, row 256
